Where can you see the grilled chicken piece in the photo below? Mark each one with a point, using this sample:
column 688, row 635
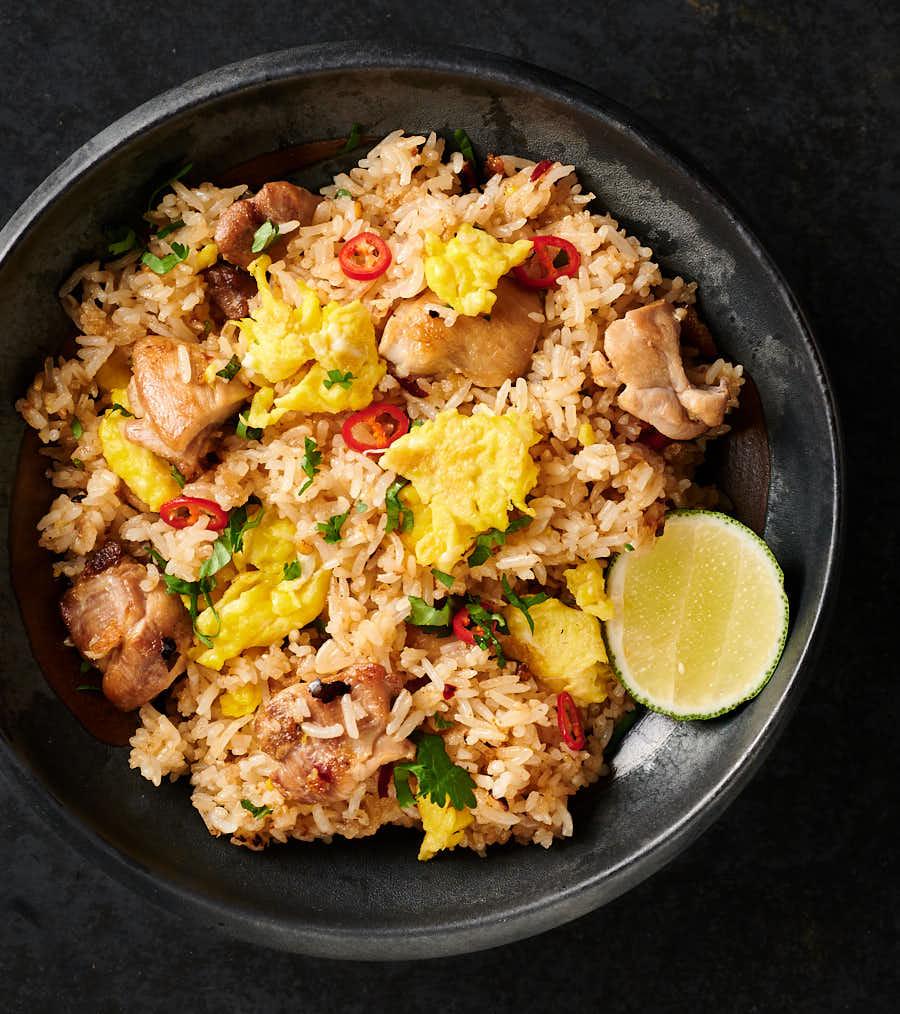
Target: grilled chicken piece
column 132, row 636
column 318, row 770
column 487, row 350
column 276, row 202
column 229, row 291
column 177, row 416
column 643, row 349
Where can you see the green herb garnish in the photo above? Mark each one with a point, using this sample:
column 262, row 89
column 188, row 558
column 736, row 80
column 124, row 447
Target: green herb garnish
column 231, row 538
column 116, row 407
column 464, row 145
column 438, row 777
column 183, row 171
column 77, row 428
column 78, row 463
column 490, row 539
column 440, row 722
column 194, row 590
column 523, row 603
column 352, row 139
column 485, row 627
column 629, row 548
column 342, row 193
column 85, row 666
column 162, row 265
column 292, row 570
column 120, row 239
column 445, row 579
column 248, row 432
column 331, row 528
column 258, row 811
column 416, row 422
column 399, row 516
column 231, row 368
column 312, row 458
column 89, row 686
column 264, row 236
column 361, row 507
column 423, row 615
column 169, row 228
column 344, row 380
column 177, row 475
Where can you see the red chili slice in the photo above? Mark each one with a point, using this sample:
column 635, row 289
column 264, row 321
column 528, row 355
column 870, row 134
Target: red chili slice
column 183, row 511
column 365, row 257
column 542, row 167
column 549, row 273
column 569, row 721
column 462, row 627
column 448, row 692
column 654, row 439
column 376, row 438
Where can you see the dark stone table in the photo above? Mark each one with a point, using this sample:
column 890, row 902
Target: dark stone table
column 789, row 902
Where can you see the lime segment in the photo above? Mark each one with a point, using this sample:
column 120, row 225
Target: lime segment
column 700, row 618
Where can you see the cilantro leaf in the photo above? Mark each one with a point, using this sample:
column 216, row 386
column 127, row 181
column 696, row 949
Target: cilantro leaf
column 89, row 686
column 248, row 432
column 342, row 193
column 230, row 540
column 78, row 463
column 344, row 380
column 399, row 516
column 423, row 615
column 292, row 570
column 485, row 627
column 523, row 603
column 77, row 428
column 312, row 458
column 162, row 265
column 116, row 407
column 171, row 227
column 438, row 777
column 331, row 528
column 183, row 171
column 629, row 548
column 361, row 507
column 352, row 139
column 258, row 811
column 230, row 369
column 464, row 145
column 445, row 579
column 493, row 538
column 176, row 474
column 440, row 722
column 193, row 590
column 264, row 237
column 120, row 239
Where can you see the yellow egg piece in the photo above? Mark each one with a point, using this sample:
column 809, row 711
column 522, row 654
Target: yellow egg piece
column 586, row 435
column 443, row 826
column 565, row 651
column 207, row 256
column 466, row 473
column 464, row 271
column 269, row 546
column 588, row 588
column 241, row 701
column 146, row 474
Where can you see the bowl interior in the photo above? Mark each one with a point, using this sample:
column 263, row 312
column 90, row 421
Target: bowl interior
column 351, row 898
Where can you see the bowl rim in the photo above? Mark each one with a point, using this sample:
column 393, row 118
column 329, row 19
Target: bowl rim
column 515, row 919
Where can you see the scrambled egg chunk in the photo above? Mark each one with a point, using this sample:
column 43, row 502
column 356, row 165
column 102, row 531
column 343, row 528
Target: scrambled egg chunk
column 146, row 474
column 466, row 473
column 464, row 271
column 260, row 605
column 241, row 701
column 565, row 652
column 589, row 589
column 443, row 826
column 334, row 345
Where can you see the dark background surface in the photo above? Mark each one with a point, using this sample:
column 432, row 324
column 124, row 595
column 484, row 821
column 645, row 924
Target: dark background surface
column 790, row 901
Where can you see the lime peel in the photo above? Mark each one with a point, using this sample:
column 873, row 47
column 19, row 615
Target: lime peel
column 701, row 617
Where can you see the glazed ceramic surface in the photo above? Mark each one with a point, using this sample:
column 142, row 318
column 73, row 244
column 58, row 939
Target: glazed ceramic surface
column 670, row 780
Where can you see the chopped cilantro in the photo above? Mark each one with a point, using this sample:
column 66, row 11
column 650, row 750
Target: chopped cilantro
column 490, row 539
column 416, row 422
column 264, row 237
column 361, row 507
column 78, row 463
column 183, row 171
column 440, row 722
column 258, row 811
column 176, row 474
column 344, row 380
column 342, row 193
column 162, row 265
column 231, row 538
column 464, row 145
column 116, row 407
column 438, row 777
column 423, row 615
column 207, row 326
column 89, row 686
column 312, row 458
column 248, row 432
column 399, row 516
column 292, row 570
column 85, row 666
column 525, row 602
column 629, row 548
column 485, row 627
column 171, row 227
column 77, row 428
column 193, row 590
column 230, row 369
column 352, row 139
column 331, row 528
column 120, row 239
column 445, row 579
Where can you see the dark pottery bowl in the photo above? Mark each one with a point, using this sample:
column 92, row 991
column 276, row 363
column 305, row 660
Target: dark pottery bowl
column 357, row 899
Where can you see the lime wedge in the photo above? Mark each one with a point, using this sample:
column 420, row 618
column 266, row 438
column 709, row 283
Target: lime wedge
column 700, row 618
